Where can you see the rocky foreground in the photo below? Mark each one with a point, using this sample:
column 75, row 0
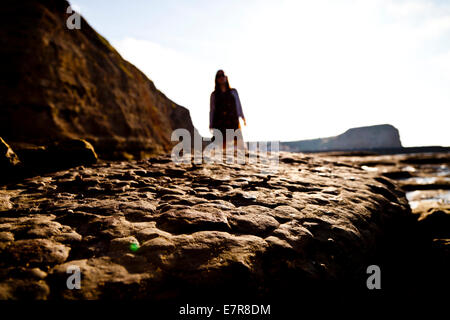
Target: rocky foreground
column 156, row 230
column 425, row 254
column 425, row 178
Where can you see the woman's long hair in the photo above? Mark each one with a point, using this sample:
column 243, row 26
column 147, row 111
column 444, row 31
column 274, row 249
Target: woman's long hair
column 217, row 87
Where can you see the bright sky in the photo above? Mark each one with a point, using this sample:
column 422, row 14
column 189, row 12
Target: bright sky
column 303, row 69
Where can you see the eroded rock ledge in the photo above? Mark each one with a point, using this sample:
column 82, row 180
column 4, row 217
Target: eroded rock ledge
column 155, row 230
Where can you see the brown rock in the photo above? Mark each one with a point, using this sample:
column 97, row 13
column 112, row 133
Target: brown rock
column 37, row 252
column 315, row 223
column 256, row 224
column 61, row 83
column 8, row 159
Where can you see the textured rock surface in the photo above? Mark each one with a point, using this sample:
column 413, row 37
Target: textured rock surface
column 383, row 136
column 151, row 229
column 60, row 83
column 426, row 180
column 424, row 177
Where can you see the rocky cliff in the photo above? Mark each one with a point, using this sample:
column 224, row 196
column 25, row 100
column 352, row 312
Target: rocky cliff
column 363, row 138
column 58, row 83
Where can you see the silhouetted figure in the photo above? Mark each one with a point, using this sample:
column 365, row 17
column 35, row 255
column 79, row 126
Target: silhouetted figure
column 225, row 109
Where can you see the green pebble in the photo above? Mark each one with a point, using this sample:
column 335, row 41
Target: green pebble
column 134, row 247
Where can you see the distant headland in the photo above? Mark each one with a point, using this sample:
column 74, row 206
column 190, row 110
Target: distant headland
column 381, row 139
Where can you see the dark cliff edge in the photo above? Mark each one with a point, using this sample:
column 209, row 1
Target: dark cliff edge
column 59, row 84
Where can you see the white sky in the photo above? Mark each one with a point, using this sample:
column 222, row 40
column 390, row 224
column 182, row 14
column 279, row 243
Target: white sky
column 303, row 69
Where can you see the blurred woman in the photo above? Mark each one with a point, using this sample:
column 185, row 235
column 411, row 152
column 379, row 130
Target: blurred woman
column 226, row 109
